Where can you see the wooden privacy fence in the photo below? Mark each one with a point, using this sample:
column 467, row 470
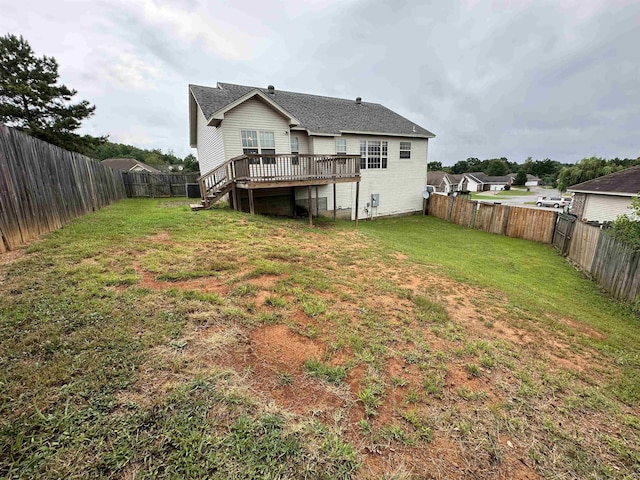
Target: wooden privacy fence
column 145, row 184
column 610, row 262
column 43, row 187
column 517, row 222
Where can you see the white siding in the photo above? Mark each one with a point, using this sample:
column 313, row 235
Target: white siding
column 400, row 185
column 303, row 141
column 606, row 208
column 253, row 114
column 210, row 146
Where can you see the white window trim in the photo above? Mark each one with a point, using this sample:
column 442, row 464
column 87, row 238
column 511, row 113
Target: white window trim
column 405, row 150
column 383, row 158
column 344, row 141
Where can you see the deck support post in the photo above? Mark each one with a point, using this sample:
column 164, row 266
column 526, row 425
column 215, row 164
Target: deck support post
column 234, row 196
column 310, row 209
column 334, row 201
column 357, row 199
column 317, row 204
column 251, row 207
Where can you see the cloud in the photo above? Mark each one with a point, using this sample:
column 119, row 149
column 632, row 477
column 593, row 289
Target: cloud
column 195, row 25
column 133, row 73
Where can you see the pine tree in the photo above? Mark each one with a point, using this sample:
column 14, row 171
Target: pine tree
column 31, row 99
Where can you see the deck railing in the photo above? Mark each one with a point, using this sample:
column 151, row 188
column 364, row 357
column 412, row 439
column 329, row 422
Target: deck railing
column 283, row 168
column 216, row 178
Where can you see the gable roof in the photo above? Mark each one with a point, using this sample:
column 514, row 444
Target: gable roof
column 623, row 183
column 126, row 164
column 455, row 178
column 481, row 177
column 435, row 177
column 317, row 114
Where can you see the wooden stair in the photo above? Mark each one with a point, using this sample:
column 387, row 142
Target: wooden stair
column 212, row 197
column 214, row 185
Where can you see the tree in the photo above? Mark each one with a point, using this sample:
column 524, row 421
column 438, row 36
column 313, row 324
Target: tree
column 521, row 177
column 434, row 166
column 585, row 169
column 191, row 164
column 460, row 167
column 627, row 227
column 31, row 100
column 497, row 168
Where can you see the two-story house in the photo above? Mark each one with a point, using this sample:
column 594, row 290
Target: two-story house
column 280, row 152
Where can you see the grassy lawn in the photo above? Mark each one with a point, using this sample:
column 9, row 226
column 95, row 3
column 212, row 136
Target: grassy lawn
column 149, row 341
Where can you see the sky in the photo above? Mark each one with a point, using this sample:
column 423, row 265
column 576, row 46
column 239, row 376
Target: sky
column 528, row 78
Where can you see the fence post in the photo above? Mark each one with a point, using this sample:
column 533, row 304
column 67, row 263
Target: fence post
column 451, row 200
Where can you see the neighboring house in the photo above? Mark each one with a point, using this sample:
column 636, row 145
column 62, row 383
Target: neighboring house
column 603, row 199
column 268, row 148
column 436, row 179
column 532, row 180
column 480, row 182
column 443, row 181
column 452, row 182
column 129, row 165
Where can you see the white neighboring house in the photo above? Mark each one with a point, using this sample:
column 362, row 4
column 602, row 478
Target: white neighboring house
column 480, row 182
column 290, row 137
column 605, row 198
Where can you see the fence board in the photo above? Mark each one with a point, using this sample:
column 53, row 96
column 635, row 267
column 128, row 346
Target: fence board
column 584, row 242
column 615, row 268
column 439, row 206
column 146, row 184
column 531, row 224
column 463, row 212
column 43, row 187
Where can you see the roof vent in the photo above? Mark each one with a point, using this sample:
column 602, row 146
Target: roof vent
column 271, row 89
column 359, row 100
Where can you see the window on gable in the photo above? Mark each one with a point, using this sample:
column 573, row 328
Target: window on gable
column 373, row 154
column 405, row 149
column 341, row 146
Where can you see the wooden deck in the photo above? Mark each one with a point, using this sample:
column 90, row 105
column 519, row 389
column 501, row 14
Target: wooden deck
column 250, row 172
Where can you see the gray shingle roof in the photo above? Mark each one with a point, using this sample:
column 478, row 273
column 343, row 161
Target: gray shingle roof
column 484, row 178
column 625, row 181
column 316, row 113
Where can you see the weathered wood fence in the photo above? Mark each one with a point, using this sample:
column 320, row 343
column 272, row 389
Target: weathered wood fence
column 611, row 263
column 517, row 222
column 43, row 187
column 145, row 184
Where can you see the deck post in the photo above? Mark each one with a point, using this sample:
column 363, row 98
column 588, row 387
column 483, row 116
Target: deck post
column 251, row 207
column 234, row 196
column 309, row 205
column 334, row 201
column 357, row 198
column 317, row 204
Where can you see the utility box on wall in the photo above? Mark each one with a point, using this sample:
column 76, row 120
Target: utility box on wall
column 375, row 199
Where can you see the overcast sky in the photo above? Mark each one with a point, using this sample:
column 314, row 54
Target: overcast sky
column 557, row 79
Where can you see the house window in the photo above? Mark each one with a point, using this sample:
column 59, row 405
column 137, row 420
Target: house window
column 295, row 149
column 405, row 149
column 373, row 154
column 251, row 146
column 267, row 146
column 341, row 146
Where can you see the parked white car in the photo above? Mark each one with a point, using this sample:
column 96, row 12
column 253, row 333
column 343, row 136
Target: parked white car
column 555, row 202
